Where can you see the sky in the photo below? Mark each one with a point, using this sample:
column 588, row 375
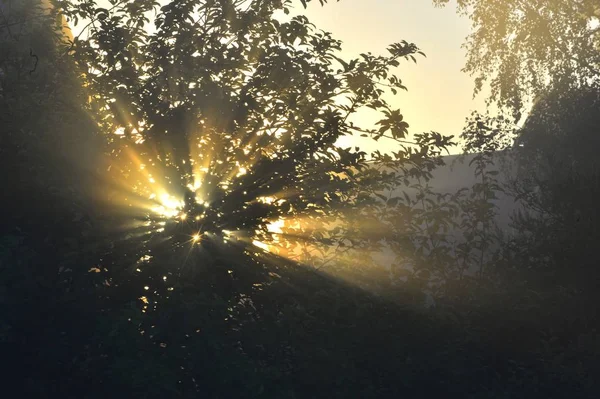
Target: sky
column 439, row 96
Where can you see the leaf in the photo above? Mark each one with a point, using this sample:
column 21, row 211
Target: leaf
column 382, row 197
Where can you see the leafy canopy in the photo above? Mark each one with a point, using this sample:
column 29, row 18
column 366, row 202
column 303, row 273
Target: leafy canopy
column 227, row 118
column 524, row 47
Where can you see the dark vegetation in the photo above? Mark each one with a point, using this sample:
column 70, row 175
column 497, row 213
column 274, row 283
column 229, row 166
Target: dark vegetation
column 100, row 295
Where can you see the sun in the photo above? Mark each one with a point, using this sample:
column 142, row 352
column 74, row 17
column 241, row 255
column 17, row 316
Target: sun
column 169, row 207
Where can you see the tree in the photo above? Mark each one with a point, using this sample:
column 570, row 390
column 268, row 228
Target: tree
column 560, row 133
column 34, row 79
column 200, row 308
column 222, row 120
column 557, row 153
column 244, row 109
column 525, row 47
column 49, row 154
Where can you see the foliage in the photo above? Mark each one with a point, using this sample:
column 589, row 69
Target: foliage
column 239, row 114
column 557, row 156
column 39, row 154
column 236, row 114
column 524, row 47
column 553, row 256
column 254, row 105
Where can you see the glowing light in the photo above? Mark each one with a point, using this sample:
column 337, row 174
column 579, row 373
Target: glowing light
column 267, row 200
column 166, row 212
column 260, row 245
column 169, row 208
column 183, row 216
column 196, row 237
column 275, row 227
column 194, row 187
